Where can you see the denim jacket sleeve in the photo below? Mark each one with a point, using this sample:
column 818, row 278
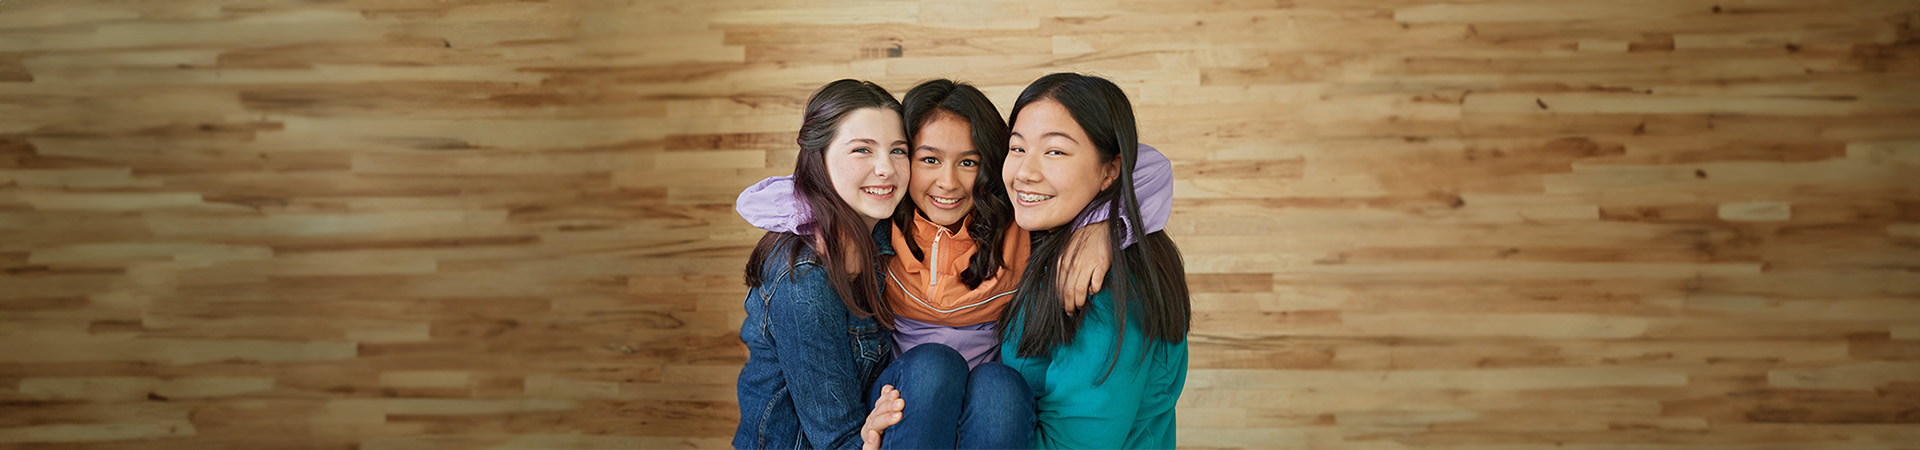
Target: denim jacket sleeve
column 808, row 325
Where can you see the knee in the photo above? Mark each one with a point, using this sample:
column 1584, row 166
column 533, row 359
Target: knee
column 995, row 385
column 999, row 407
column 996, row 376
column 933, row 366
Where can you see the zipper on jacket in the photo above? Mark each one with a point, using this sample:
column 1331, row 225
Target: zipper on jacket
column 935, row 260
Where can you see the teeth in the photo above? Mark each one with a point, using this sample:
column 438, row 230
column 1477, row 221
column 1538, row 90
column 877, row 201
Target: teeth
column 944, row 200
column 1025, row 197
column 878, row 191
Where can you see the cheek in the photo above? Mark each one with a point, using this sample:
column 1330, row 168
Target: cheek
column 922, row 179
column 1077, row 182
column 848, row 172
column 967, row 178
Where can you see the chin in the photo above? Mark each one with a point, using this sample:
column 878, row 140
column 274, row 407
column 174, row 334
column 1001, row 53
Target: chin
column 1033, row 222
column 877, row 213
column 944, row 221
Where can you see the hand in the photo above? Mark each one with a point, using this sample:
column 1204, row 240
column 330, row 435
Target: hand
column 886, row 412
column 1086, row 261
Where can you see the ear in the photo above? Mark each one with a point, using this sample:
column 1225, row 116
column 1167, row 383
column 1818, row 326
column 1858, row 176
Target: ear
column 1109, row 172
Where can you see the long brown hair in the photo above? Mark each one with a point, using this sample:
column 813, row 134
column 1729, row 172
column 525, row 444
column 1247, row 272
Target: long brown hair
column 840, row 237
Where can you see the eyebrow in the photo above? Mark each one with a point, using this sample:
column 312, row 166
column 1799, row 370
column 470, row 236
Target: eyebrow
column 1054, row 133
column 874, row 142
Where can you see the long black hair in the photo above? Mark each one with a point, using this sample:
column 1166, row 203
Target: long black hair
column 1148, row 280
column 991, row 209
column 841, row 237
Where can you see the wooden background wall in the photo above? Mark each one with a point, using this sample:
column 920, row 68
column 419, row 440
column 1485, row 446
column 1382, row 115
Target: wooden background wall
column 1473, row 224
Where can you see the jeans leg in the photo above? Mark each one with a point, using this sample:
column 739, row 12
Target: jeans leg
column 931, row 378
column 998, row 410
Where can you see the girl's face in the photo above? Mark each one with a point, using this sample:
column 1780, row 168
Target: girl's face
column 867, row 162
column 944, row 167
column 1053, row 171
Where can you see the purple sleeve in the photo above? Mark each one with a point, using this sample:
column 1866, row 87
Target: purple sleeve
column 773, row 205
column 1152, row 186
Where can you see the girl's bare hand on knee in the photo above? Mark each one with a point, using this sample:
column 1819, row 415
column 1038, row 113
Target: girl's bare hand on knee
column 886, row 412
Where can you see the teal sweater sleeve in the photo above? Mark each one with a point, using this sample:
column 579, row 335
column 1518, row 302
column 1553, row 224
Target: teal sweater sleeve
column 1132, row 408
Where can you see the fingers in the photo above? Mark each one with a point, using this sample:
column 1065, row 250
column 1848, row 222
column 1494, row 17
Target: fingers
column 1078, row 287
column 1083, row 279
column 889, row 404
column 1072, row 290
column 1071, row 281
column 881, row 420
column 1080, row 300
column 886, row 413
column 1088, row 284
column 884, row 392
column 1086, row 262
column 1097, row 282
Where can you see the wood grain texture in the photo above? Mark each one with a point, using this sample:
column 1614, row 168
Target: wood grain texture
column 1469, row 224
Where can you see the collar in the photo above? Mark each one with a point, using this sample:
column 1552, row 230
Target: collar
column 883, row 237
column 924, row 227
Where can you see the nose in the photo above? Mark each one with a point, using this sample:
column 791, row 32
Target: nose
column 1025, row 171
column 948, row 179
column 884, row 169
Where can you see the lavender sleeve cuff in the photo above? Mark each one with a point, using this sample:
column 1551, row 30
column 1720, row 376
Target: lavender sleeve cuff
column 773, row 205
column 1152, row 185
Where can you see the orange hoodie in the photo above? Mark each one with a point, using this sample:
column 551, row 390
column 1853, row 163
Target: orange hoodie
column 930, row 290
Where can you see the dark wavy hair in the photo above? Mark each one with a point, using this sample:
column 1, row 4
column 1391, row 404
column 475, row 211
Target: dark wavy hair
column 991, row 210
column 1148, row 281
column 840, row 237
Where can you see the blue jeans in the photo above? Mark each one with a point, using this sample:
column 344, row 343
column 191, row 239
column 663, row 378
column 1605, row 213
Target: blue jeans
column 949, row 406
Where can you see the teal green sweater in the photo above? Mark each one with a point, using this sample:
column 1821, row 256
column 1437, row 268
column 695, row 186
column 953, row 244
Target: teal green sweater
column 1132, row 409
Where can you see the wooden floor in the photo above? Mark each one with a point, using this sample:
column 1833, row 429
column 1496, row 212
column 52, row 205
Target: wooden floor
column 1475, row 224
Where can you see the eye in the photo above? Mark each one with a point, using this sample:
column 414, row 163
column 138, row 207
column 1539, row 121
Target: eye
column 899, row 151
column 1017, row 150
column 1056, row 152
column 863, row 150
column 929, row 160
column 968, row 163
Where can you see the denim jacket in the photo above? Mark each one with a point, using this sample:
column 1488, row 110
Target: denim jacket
column 810, row 361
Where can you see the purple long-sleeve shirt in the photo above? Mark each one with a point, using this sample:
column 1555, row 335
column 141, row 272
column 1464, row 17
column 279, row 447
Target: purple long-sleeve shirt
column 772, row 205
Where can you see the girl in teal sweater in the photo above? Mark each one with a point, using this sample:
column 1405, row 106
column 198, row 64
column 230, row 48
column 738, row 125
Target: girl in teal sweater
column 1107, row 377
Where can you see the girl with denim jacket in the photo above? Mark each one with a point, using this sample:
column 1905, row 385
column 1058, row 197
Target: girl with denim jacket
column 813, row 329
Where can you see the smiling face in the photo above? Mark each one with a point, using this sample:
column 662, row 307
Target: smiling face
column 945, row 165
column 1053, row 170
column 867, row 162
